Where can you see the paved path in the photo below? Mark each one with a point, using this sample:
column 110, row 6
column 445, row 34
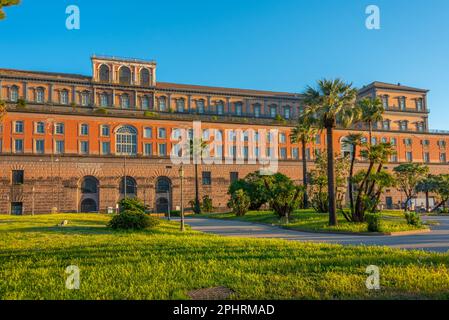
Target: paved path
column 436, row 240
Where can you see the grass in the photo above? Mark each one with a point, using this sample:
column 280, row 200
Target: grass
column 309, row 220
column 165, row 264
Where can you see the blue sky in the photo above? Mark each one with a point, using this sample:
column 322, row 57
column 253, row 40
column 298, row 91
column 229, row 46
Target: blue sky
column 261, row 44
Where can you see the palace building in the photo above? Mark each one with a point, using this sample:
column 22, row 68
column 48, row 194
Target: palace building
column 74, row 143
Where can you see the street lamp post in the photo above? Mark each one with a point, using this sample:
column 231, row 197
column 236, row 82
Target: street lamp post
column 181, row 176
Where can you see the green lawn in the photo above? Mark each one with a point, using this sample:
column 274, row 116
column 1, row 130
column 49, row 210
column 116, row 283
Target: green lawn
column 165, row 264
column 309, row 220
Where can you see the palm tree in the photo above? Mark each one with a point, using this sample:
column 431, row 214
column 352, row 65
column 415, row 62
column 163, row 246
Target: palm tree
column 353, row 140
column 428, row 185
column 372, row 111
column 304, row 134
column 331, row 103
column 196, row 147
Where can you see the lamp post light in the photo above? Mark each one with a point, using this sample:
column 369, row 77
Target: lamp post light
column 181, row 176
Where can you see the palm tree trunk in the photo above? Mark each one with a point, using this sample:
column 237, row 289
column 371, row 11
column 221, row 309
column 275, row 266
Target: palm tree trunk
column 427, row 201
column 331, row 176
column 370, row 128
column 351, row 173
column 197, row 208
column 304, row 175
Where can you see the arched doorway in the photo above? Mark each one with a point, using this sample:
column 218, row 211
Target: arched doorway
column 90, row 194
column 88, row 205
column 163, row 195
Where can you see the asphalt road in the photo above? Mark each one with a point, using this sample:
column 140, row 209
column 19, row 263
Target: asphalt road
column 436, row 240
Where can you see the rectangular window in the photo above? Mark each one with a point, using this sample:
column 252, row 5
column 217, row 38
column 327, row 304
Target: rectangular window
column 84, row 99
column 207, row 178
column 147, row 132
column 39, row 146
column 233, row 176
column 105, row 131
column 18, row 145
column 287, row 112
column 18, row 127
column 408, row 142
column 283, row 153
column 200, row 106
column 238, row 109
column 17, row 208
column 273, row 112
column 282, row 138
column 295, row 153
column 59, row 128
column 84, row 147
column 84, row 130
column 318, row 139
column 308, row 154
column 409, row 156
column 419, row 104
column 162, row 149
column 402, row 103
column 17, row 176
column 40, row 128
column 393, row 141
column 426, row 157
column 443, row 157
column 386, row 125
column 59, row 146
column 162, row 133
column 394, row 158
column 105, row 148
column 148, row 149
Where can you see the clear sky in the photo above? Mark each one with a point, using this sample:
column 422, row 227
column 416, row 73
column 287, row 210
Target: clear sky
column 279, row 45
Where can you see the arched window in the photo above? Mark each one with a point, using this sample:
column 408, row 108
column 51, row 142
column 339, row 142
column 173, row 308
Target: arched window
column 162, row 104
column 124, row 101
column 238, row 108
column 89, row 185
column 346, row 148
column 64, row 97
column 180, row 104
column 126, row 141
column 104, row 73
column 125, row 75
column 200, row 106
column 104, row 100
column 163, row 185
column 145, row 77
column 145, row 103
column 40, row 95
column 128, row 186
column 257, row 108
column 220, row 107
column 14, row 94
column 84, row 98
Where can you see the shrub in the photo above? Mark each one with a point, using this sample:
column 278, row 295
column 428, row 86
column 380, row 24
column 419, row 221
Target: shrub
column 131, row 204
column 284, row 195
column 206, row 206
column 413, row 219
column 374, row 221
column 101, row 111
column 21, row 103
column 132, row 220
column 150, row 114
column 239, row 203
column 254, row 187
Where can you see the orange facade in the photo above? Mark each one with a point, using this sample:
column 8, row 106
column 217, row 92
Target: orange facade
column 75, row 117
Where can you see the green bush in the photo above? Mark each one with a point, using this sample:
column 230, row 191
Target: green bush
column 239, row 203
column 132, row 220
column 254, row 186
column 131, row 204
column 413, row 219
column 374, row 221
column 101, row 111
column 150, row 114
column 206, row 206
column 21, row 103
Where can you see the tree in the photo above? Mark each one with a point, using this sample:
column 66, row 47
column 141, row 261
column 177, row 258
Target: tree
column 428, row 185
column 254, row 186
column 372, row 111
column 304, row 134
column 285, row 196
column 196, row 147
column 442, row 189
column 239, row 203
column 353, row 140
column 408, row 175
column 6, row 3
column 370, row 183
column 319, row 198
column 331, row 103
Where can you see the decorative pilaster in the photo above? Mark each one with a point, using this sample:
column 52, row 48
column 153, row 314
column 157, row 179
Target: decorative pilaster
column 25, row 90
column 50, row 93
column 228, row 105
